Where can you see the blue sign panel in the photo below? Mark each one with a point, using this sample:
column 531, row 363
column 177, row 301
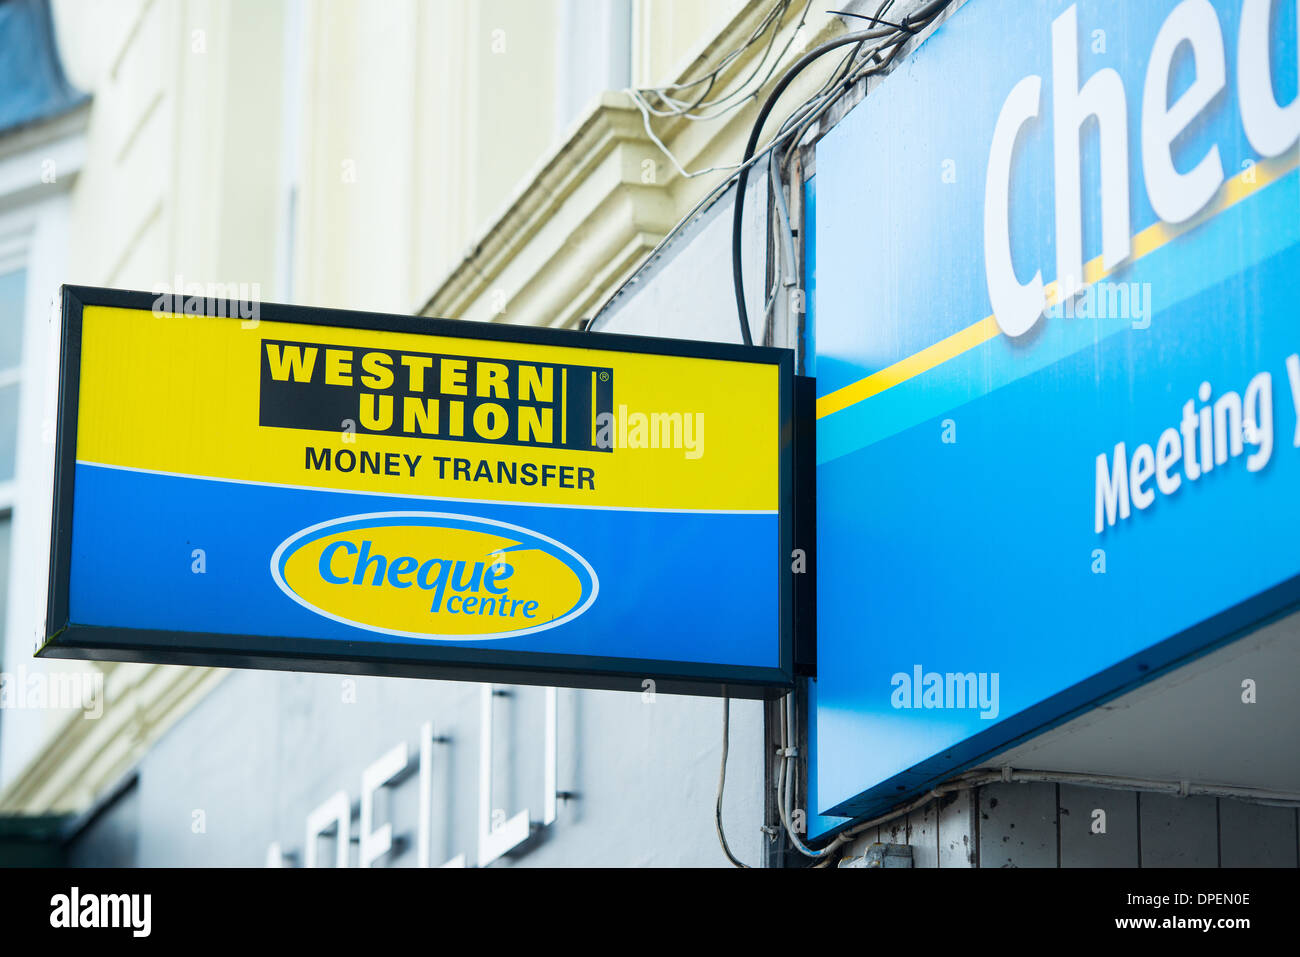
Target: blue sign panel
column 1057, row 276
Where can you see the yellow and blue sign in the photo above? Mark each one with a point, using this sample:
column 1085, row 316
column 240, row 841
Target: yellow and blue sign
column 324, row 490
column 452, row 584
column 1057, row 351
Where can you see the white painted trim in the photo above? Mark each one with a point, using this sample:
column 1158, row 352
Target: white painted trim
column 23, row 161
column 34, row 232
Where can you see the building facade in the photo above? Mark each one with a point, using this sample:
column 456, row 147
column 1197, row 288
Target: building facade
column 566, row 164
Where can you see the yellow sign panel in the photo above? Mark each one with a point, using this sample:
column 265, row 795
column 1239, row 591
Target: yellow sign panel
column 386, row 412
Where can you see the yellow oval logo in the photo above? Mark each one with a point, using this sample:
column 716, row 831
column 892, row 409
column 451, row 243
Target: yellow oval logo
column 434, row 575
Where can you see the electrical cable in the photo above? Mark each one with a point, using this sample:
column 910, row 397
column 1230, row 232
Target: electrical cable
column 710, row 197
column 876, row 19
column 743, row 178
column 785, row 257
column 680, row 107
column 817, row 104
column 712, row 74
column 776, row 161
column 845, row 75
column 909, row 26
column 977, row 779
column 813, row 107
column 735, row 93
column 842, row 77
column 774, row 18
column 805, row 114
column 785, row 789
column 646, row 109
column 722, row 783
column 864, row 70
column 783, row 214
column 850, row 77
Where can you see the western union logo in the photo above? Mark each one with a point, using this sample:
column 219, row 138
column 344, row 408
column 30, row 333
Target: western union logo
column 434, row 575
column 331, row 388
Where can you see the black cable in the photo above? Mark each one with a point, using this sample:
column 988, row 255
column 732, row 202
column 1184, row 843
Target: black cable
column 766, row 53
column 839, row 76
column 863, row 16
column 738, row 216
column 773, row 16
column 909, row 24
column 896, row 43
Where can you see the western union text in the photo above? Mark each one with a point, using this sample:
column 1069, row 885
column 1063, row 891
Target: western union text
column 459, row 398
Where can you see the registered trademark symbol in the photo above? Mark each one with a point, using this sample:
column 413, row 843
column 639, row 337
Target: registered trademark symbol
column 604, row 377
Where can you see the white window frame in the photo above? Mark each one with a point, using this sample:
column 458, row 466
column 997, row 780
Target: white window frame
column 593, row 54
column 34, row 236
column 15, row 255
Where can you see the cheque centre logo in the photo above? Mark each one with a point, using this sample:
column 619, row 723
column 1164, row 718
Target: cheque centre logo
column 434, row 575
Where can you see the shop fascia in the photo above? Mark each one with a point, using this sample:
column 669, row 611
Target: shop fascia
column 1176, row 194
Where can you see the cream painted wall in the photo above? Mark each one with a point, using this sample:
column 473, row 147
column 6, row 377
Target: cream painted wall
column 670, row 33
column 417, row 124
column 404, row 155
column 178, row 177
column 420, row 120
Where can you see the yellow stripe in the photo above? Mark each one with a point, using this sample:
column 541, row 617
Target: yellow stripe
column 1147, row 241
column 913, row 365
column 564, row 406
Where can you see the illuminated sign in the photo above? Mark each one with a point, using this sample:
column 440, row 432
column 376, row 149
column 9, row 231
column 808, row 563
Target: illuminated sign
column 331, row 491
column 1058, row 375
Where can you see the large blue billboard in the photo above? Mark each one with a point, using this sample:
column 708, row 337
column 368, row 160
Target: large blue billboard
column 1056, row 299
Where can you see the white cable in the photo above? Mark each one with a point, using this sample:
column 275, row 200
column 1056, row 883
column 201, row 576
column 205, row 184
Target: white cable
column 753, row 37
column 785, row 791
column 739, row 95
column 647, row 109
column 812, row 108
column 783, row 213
column 682, row 107
column 681, row 170
column 722, row 784
column 723, row 186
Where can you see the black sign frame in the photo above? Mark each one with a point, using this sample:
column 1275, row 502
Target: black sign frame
column 65, row 638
